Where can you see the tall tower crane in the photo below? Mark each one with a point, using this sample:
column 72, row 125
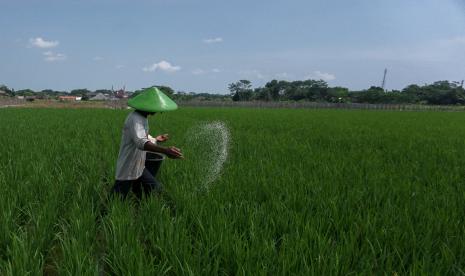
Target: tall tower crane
column 383, row 85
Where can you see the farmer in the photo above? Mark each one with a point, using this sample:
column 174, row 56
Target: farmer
column 131, row 173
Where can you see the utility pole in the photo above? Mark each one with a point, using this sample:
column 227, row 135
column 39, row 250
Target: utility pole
column 461, row 85
column 384, row 79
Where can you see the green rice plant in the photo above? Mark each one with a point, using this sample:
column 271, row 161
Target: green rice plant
column 305, row 192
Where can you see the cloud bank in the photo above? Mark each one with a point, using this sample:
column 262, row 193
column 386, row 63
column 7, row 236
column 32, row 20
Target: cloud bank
column 42, row 43
column 52, row 57
column 213, row 40
column 322, row 76
column 162, row 66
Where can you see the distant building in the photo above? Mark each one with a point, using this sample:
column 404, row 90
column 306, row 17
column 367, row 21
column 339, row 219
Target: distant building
column 121, row 93
column 20, row 97
column 3, row 93
column 100, row 97
column 91, row 95
column 42, row 96
column 69, row 98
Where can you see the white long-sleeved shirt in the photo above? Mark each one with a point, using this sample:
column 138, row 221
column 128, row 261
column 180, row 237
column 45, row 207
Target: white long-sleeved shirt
column 131, row 158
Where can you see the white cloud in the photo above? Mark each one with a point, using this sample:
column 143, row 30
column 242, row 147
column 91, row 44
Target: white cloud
column 321, row 76
column 97, row 58
column 213, row 40
column 283, row 76
column 459, row 39
column 454, row 41
column 42, row 43
column 253, row 74
column 163, row 66
column 198, row 72
column 51, row 56
column 119, row 66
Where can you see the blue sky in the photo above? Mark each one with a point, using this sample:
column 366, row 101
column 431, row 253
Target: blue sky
column 204, row 45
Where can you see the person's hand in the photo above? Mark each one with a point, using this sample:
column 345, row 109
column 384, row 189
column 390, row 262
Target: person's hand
column 162, row 138
column 174, row 153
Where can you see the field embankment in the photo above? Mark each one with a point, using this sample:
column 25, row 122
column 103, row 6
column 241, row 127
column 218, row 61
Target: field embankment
column 122, row 104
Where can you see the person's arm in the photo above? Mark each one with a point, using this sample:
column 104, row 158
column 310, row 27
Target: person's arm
column 171, row 152
column 162, row 138
column 152, row 139
column 159, row 138
column 142, row 141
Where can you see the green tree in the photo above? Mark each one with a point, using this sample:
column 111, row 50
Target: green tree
column 80, row 92
column 25, row 92
column 338, row 94
column 413, row 94
column 317, row 90
column 444, row 93
column 166, row 89
column 8, row 91
column 278, row 89
column 373, row 95
column 241, row 90
column 262, row 94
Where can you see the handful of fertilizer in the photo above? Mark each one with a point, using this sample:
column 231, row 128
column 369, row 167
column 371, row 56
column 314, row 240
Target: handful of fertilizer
column 208, row 144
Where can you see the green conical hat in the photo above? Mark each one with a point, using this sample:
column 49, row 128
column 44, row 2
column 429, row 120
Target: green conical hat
column 152, row 100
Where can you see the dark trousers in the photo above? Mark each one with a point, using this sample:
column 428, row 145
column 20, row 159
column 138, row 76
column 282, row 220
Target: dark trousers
column 146, row 184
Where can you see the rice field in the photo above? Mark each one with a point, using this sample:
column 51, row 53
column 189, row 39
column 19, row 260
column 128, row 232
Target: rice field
column 301, row 192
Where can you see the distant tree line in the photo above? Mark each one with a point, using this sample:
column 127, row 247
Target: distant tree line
column 188, row 96
column 47, row 93
column 437, row 93
column 87, row 94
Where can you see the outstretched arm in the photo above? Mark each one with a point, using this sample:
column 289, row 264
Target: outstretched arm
column 142, row 141
column 171, row 152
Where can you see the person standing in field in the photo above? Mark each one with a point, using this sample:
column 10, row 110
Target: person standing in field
column 131, row 173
